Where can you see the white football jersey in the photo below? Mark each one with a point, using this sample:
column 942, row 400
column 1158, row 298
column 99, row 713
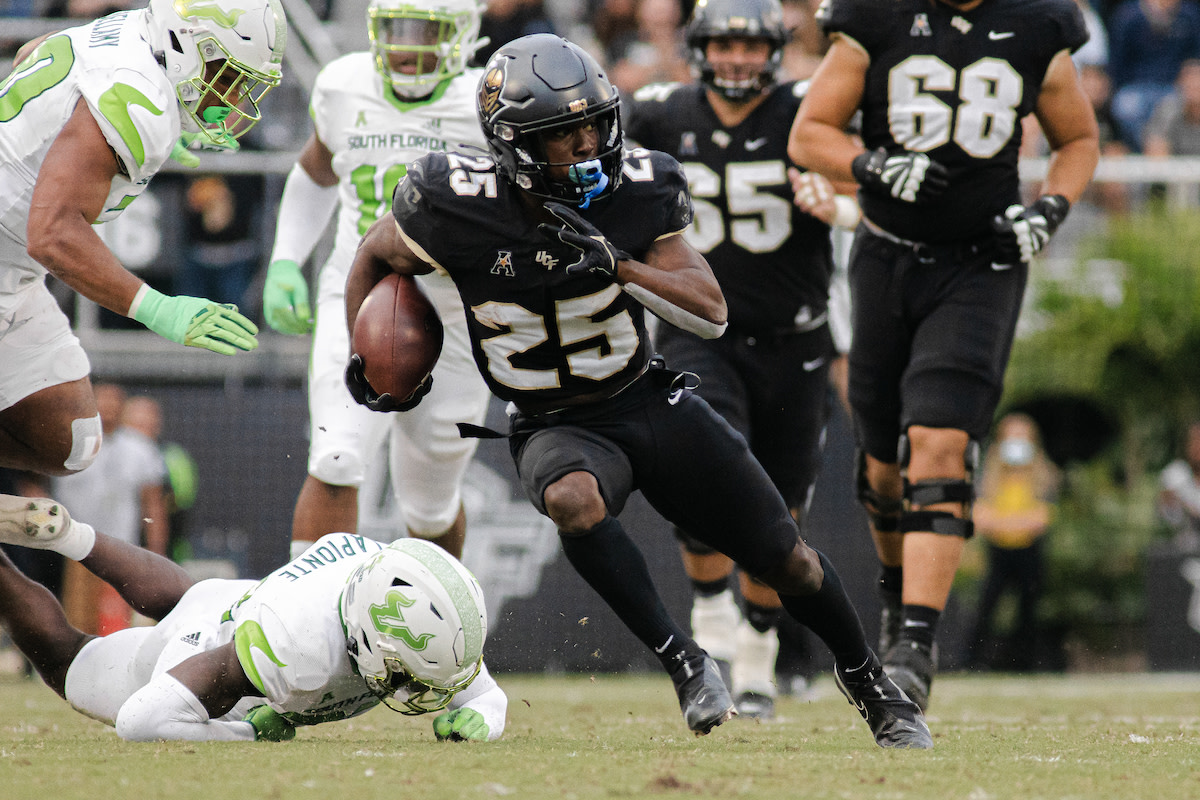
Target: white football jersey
column 374, row 136
column 110, row 65
column 290, row 638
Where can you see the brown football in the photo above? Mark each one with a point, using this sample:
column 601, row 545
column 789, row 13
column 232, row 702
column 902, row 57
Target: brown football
column 398, row 335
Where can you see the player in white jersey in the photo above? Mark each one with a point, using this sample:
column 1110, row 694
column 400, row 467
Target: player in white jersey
column 348, row 625
column 374, row 113
column 87, row 117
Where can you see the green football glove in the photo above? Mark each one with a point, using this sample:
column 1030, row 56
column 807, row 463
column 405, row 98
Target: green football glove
column 269, row 725
column 189, row 141
column 461, row 725
column 181, row 154
column 285, row 298
column 196, row 322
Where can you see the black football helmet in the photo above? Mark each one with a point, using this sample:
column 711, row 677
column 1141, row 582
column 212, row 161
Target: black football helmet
column 751, row 19
column 538, row 83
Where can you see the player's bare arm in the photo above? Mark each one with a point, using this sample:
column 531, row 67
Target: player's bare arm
column 216, row 678
column 818, row 140
column 70, row 194
column 675, row 272
column 383, row 249
column 1069, row 124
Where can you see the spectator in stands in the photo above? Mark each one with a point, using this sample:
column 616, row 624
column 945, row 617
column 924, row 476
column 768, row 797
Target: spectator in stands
column 803, row 51
column 656, row 53
column 222, row 250
column 613, row 22
column 1179, row 493
column 124, row 491
column 505, row 20
column 1013, row 512
column 1095, row 52
column 1150, row 40
column 1174, row 128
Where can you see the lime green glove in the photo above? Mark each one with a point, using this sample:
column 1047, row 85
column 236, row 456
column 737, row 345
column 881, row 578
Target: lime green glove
column 461, row 725
column 285, row 298
column 190, row 141
column 269, row 725
column 195, row 322
column 184, row 156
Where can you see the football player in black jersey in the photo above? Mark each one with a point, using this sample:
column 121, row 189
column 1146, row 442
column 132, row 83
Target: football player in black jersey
column 768, row 374
column 558, row 244
column 941, row 258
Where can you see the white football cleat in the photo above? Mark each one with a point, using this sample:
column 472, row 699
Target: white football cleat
column 31, row 521
column 43, row 524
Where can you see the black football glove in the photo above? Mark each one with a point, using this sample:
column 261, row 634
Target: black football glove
column 364, row 395
column 597, row 255
column 1023, row 231
column 911, row 177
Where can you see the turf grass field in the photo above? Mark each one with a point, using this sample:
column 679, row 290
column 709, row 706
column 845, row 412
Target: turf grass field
column 622, row 736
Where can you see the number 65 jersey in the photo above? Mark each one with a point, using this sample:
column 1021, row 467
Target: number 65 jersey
column 954, row 85
column 540, row 335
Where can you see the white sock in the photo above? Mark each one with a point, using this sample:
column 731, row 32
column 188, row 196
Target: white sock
column 77, row 541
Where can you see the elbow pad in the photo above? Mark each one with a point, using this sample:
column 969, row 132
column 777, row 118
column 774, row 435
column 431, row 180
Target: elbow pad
column 166, row 709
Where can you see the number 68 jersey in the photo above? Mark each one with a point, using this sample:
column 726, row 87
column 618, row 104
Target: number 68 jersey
column 538, row 334
column 954, row 85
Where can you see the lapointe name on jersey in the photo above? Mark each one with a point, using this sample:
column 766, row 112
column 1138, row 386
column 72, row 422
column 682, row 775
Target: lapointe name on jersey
column 329, row 552
column 395, row 141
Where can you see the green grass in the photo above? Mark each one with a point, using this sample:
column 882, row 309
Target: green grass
column 1085, row 737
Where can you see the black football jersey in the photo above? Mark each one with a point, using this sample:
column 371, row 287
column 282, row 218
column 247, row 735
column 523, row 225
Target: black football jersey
column 954, row 85
column 772, row 260
column 538, row 334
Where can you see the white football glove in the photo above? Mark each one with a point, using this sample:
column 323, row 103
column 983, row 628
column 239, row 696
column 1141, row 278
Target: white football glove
column 911, row 177
column 1024, row 231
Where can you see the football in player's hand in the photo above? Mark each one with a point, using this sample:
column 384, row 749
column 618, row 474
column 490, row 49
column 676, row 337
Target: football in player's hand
column 398, row 335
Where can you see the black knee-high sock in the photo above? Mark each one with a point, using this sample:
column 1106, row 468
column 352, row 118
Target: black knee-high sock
column 609, row 561
column 831, row 616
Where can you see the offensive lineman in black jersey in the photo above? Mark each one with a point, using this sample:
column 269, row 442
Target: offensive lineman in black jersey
column 768, row 374
column 941, row 258
column 557, row 244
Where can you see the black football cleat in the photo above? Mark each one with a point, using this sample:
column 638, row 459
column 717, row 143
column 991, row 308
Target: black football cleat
column 894, row 719
column 703, row 696
column 912, row 667
column 755, row 705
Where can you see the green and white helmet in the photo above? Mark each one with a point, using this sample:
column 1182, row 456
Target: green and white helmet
column 417, row 45
column 415, row 624
column 230, row 49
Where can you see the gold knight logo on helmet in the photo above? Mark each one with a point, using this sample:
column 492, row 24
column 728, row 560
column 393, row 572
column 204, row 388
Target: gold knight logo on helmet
column 578, row 105
column 489, row 91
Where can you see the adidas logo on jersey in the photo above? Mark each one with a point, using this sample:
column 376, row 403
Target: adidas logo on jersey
column 192, row 639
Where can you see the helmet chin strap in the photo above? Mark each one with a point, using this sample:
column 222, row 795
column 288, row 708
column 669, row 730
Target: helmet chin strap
column 589, row 174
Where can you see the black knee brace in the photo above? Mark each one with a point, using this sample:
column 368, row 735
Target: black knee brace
column 883, row 512
column 938, row 490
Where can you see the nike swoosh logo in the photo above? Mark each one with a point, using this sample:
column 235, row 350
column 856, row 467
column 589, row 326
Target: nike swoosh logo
column 756, row 144
column 809, row 366
column 666, row 644
column 995, row 37
column 1001, row 267
column 114, row 105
